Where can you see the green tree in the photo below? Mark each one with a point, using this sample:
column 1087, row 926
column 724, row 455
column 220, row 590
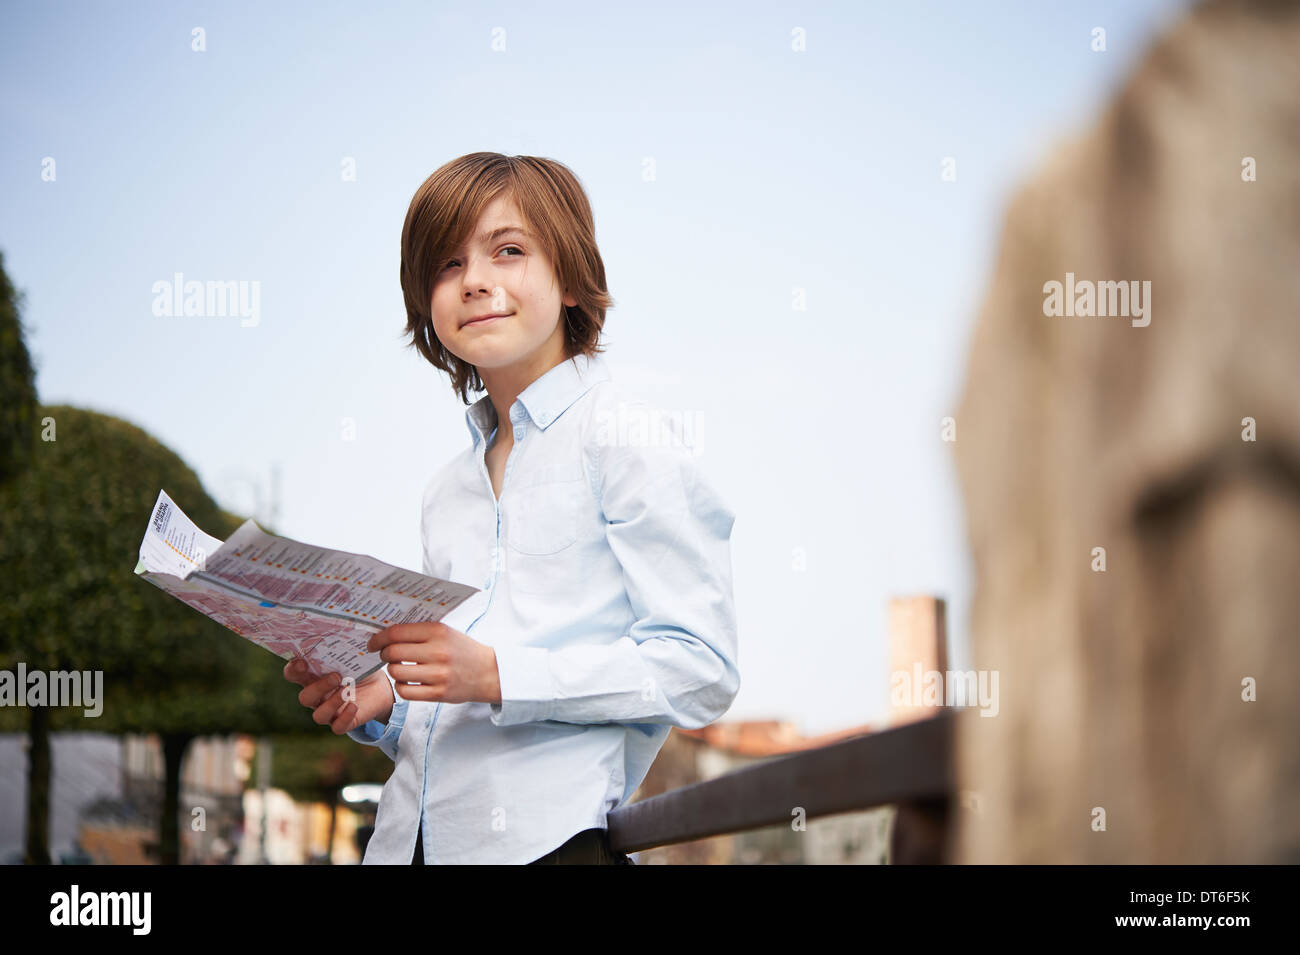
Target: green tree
column 70, row 527
column 70, row 531
column 17, row 384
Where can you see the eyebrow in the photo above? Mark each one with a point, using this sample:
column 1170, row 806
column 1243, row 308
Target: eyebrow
column 487, row 237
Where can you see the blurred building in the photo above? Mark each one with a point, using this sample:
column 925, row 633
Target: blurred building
column 85, row 769
column 918, row 641
column 106, row 796
column 212, row 777
column 691, row 756
column 297, row 833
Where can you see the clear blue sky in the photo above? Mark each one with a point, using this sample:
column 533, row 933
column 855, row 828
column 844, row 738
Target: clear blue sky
column 775, row 170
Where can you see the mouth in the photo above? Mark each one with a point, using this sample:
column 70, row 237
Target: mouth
column 486, row 319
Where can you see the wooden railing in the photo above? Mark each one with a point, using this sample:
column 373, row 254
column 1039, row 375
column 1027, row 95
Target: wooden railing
column 909, row 766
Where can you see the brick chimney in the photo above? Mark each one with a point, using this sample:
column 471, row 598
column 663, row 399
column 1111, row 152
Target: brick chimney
column 918, row 644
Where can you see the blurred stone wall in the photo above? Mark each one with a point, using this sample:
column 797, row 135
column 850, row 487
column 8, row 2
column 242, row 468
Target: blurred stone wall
column 1126, row 691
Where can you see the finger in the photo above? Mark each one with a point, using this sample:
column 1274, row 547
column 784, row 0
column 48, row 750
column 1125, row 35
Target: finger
column 416, row 672
column 302, row 671
column 342, row 723
column 328, row 711
column 314, row 693
column 380, row 640
column 406, row 633
column 410, row 653
column 295, row 671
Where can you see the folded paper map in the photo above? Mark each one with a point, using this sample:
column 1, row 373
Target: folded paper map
column 293, row 599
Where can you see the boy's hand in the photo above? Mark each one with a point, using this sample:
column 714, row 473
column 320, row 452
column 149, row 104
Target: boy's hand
column 450, row 666
column 373, row 698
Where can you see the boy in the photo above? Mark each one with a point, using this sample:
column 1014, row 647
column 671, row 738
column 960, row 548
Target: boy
column 606, row 613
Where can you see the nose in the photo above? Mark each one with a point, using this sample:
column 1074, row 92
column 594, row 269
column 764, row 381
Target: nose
column 478, row 288
column 475, row 278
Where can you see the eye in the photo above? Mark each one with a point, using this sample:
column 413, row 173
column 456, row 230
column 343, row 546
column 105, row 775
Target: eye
column 451, row 262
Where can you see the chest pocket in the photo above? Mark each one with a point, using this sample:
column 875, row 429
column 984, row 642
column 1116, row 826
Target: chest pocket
column 544, row 514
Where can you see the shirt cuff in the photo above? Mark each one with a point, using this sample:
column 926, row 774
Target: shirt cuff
column 378, row 733
column 527, row 689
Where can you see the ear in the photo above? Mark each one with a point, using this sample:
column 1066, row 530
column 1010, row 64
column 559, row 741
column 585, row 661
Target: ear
column 570, row 301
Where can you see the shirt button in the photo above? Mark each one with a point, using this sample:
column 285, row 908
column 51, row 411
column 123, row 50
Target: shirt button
column 546, row 419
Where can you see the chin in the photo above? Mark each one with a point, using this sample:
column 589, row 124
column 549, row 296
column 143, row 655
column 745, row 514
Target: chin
column 492, row 357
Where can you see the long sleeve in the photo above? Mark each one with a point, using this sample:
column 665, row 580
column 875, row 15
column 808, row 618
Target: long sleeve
column 381, row 734
column 670, row 533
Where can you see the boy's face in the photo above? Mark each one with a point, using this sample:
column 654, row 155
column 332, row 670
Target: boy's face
column 507, row 275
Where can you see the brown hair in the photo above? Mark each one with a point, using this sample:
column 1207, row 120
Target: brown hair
column 555, row 208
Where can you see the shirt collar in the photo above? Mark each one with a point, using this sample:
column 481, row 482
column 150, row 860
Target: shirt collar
column 545, row 399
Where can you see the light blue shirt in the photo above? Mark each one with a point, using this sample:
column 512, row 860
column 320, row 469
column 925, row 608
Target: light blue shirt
column 605, row 571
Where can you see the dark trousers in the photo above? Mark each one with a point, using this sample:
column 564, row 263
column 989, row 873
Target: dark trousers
column 589, row 847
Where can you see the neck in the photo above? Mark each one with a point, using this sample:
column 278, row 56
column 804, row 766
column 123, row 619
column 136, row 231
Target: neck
column 504, row 385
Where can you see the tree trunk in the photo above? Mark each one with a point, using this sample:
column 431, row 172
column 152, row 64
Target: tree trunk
column 38, row 788
column 169, row 847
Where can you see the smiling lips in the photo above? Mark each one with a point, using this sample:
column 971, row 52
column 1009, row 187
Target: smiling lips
column 485, row 319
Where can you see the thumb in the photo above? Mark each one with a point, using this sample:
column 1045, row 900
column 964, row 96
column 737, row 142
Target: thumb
column 296, row 671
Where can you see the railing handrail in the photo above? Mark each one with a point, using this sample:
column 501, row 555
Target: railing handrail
column 903, row 764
